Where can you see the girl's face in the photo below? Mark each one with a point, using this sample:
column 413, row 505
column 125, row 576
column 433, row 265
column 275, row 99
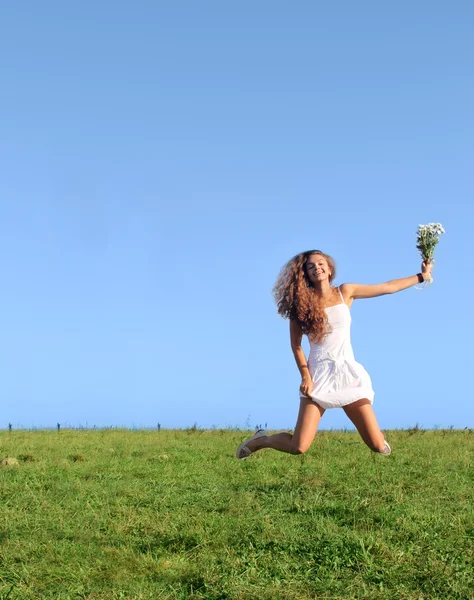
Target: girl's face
column 318, row 269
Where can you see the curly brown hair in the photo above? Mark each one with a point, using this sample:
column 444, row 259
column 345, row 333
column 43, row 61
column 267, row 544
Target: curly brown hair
column 296, row 297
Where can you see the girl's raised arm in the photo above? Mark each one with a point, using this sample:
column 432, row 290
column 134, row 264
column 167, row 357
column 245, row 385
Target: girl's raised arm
column 356, row 290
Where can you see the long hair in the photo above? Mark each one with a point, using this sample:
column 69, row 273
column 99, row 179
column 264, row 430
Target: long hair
column 296, row 296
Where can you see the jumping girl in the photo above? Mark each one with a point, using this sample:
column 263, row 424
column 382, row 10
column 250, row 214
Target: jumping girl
column 331, row 377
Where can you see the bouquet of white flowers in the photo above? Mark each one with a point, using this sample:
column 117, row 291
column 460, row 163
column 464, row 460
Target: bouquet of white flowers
column 426, row 240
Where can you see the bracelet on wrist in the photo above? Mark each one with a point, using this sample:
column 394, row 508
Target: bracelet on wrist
column 420, row 277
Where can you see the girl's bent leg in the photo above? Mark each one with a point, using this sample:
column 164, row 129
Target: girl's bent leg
column 309, row 416
column 362, row 415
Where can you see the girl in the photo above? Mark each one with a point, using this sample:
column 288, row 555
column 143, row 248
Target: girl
column 331, row 377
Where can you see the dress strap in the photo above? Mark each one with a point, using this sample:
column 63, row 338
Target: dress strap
column 340, row 294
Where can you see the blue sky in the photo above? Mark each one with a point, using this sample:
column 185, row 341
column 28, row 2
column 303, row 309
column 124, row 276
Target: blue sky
column 162, row 161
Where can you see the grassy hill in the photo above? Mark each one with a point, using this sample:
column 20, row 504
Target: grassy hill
column 108, row 514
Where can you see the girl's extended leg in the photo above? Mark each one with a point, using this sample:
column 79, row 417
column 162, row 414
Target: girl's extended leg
column 362, row 415
column 308, row 420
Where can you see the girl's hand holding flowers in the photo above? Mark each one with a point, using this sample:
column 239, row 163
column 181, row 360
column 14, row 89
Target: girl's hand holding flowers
column 426, row 239
column 426, row 268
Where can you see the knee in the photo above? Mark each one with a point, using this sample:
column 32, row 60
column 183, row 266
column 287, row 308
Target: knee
column 299, row 448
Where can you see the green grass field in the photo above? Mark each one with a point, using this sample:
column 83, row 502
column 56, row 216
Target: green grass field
column 172, row 514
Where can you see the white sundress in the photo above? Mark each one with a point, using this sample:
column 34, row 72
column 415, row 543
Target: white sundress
column 337, row 378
